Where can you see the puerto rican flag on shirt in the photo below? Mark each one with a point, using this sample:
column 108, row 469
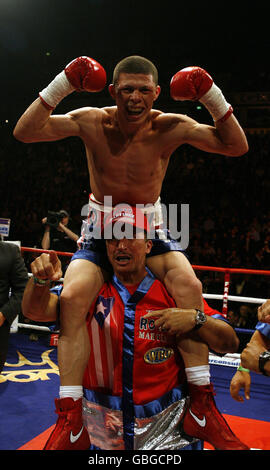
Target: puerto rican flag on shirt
column 109, row 323
column 103, row 333
column 121, row 341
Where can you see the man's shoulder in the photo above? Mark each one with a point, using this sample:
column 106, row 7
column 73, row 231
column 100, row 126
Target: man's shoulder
column 99, row 116
column 90, row 112
column 166, row 121
column 9, row 247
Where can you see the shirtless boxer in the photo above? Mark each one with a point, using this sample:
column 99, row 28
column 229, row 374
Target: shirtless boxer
column 128, row 147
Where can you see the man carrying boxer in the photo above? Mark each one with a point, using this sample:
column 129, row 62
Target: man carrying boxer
column 128, row 147
column 134, row 394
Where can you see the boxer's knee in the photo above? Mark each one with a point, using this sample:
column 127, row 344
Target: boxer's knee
column 82, row 283
column 74, row 301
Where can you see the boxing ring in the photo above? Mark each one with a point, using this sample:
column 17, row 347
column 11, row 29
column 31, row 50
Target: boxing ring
column 224, row 297
column 31, row 370
column 228, row 359
column 232, row 360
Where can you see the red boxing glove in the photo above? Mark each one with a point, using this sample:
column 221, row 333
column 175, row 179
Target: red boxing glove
column 190, row 83
column 194, row 83
column 82, row 74
column 85, row 74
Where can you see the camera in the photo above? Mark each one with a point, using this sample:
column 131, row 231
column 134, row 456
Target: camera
column 53, row 218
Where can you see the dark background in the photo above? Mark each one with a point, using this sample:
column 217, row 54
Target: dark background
column 37, row 38
column 230, row 40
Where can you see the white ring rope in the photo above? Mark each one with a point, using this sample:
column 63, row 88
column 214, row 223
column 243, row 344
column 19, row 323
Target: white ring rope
column 235, row 298
column 231, row 360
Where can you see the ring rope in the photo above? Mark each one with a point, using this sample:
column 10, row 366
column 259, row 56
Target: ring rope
column 235, row 298
column 231, row 360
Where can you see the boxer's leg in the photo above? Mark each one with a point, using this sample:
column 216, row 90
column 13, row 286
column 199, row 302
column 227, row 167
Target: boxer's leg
column 82, row 282
column 174, row 269
column 202, row 419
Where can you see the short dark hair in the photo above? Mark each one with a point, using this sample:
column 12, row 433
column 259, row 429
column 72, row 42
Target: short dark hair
column 135, row 64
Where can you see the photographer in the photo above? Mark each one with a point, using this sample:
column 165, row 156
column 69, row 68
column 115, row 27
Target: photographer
column 57, row 236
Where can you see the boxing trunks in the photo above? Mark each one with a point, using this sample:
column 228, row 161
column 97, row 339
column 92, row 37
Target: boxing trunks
column 92, row 247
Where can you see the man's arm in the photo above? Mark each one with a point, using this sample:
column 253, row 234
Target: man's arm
column 249, row 361
column 38, row 303
column 46, row 239
column 73, row 236
column 37, row 124
column 217, row 334
column 226, row 136
column 250, row 355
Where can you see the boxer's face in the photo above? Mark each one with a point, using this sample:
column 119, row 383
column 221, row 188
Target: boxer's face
column 134, row 95
column 128, row 255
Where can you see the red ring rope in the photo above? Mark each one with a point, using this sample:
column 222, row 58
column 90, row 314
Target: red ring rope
column 227, row 272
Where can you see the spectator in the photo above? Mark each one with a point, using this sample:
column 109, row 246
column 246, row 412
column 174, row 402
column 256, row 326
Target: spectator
column 58, row 236
column 13, row 279
column 245, row 317
column 233, row 318
column 255, row 357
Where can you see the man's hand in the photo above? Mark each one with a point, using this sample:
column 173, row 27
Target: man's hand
column 241, row 379
column 47, row 266
column 264, row 312
column 250, row 356
column 174, row 320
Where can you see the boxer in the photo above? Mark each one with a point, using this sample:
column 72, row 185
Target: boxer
column 128, row 147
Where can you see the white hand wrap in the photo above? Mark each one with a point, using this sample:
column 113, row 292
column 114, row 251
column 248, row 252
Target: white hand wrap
column 56, row 91
column 216, row 104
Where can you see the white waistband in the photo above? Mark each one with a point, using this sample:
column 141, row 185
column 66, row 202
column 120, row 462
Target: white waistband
column 146, row 209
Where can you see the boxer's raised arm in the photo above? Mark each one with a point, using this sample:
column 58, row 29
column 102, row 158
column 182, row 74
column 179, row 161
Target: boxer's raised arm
column 227, row 136
column 36, row 124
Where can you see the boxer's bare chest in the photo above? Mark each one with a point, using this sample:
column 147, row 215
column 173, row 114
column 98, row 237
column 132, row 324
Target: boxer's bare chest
column 128, row 166
column 141, row 152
